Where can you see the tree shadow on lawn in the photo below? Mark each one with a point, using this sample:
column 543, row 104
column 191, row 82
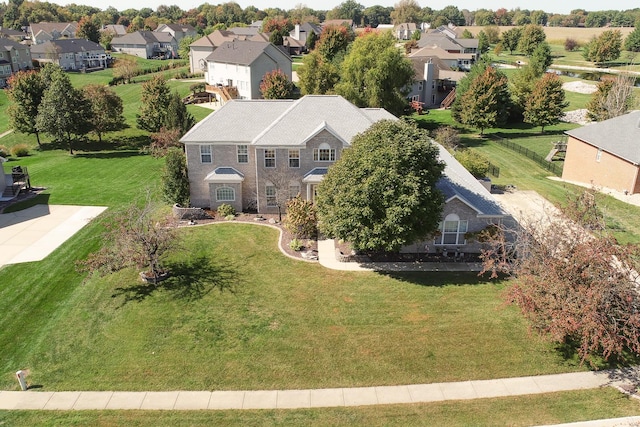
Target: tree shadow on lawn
column 110, row 154
column 437, row 278
column 189, row 280
column 569, row 352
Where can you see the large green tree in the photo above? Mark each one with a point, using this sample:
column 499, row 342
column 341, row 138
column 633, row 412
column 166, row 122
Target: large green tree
column 25, row 92
column 177, row 115
column 381, row 195
column 175, row 179
column 106, row 109
column 532, row 35
column 605, row 47
column 317, row 75
column 334, row 41
column 406, row 11
column 511, row 39
column 632, row 42
column 183, row 49
column 155, row 96
column 64, row 111
column 87, row 29
column 546, row 104
column 486, row 102
column 375, row 73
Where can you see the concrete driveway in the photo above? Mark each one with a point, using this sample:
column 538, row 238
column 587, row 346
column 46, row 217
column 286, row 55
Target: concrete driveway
column 33, row 233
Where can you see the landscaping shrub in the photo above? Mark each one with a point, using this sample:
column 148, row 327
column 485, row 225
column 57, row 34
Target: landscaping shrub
column 225, row 210
column 20, row 150
column 571, row 44
column 4, row 151
column 301, row 220
column 296, row 245
column 476, row 163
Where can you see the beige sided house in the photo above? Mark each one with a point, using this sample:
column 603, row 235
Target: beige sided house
column 204, row 46
column 251, row 153
column 606, row 154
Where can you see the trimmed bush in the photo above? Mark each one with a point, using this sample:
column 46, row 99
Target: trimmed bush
column 296, row 245
column 20, row 150
column 301, row 220
column 225, row 210
column 4, row 151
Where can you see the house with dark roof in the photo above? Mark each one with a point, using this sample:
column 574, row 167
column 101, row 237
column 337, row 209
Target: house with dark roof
column 204, row 46
column 236, row 68
column 253, row 153
column 71, row 54
column 14, row 57
column 45, row 31
column 466, row 49
column 302, row 32
column 12, row 34
column 605, row 154
column 115, row 29
column 147, row 44
column 289, row 45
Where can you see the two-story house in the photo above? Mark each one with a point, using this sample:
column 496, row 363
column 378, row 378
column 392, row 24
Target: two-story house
column 147, row 44
column 434, row 81
column 71, row 54
column 465, row 49
column 178, row 31
column 252, row 154
column 14, row 57
column 235, row 69
column 405, row 30
column 46, row 31
column 200, row 49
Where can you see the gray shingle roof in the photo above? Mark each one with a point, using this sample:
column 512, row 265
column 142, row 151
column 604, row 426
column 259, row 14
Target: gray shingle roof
column 313, row 113
column 237, row 121
column 457, row 182
column 225, row 174
column 142, row 37
column 67, row 46
column 242, row 52
column 619, row 136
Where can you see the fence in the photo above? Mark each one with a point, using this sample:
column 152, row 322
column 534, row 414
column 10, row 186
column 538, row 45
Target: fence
column 551, row 167
column 494, row 170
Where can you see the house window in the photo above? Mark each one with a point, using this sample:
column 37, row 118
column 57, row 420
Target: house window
column 225, row 194
column 294, row 190
column 324, row 153
column 271, row 196
column 243, row 154
column 270, row 158
column 205, row 154
column 599, row 155
column 452, row 231
column 294, row 158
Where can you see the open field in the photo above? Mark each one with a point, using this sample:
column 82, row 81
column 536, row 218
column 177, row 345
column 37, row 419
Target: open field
column 557, row 35
column 516, row 411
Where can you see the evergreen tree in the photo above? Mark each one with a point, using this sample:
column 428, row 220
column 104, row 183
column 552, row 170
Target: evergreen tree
column 175, row 179
column 177, row 115
column 632, row 42
column 546, row 103
column 312, row 38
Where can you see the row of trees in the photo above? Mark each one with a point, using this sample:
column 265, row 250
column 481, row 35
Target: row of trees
column 369, row 71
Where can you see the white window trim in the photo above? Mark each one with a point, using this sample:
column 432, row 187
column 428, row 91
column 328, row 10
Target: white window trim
column 244, row 153
column 294, row 158
column 462, row 227
column 204, row 153
column 269, row 158
column 324, row 147
column 272, row 200
column 233, row 192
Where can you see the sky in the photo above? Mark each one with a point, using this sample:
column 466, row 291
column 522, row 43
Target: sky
column 549, row 6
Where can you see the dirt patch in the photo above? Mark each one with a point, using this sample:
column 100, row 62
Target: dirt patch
column 579, row 87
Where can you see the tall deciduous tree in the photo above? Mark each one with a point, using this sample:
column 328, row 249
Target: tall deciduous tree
column 106, row 109
column 375, row 73
column 511, row 39
column 155, row 97
column 316, row 75
column 605, row 47
column 87, row 29
column 485, row 103
column 276, row 85
column 613, row 98
column 532, row 36
column 64, row 111
column 125, row 68
column 183, row 49
column 334, row 41
column 380, row 195
column 406, row 11
column 25, row 92
column 546, row 103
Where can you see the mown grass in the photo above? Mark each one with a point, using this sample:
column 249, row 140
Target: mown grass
column 553, row 408
column 240, row 315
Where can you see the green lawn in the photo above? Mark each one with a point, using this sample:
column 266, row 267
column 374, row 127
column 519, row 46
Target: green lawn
column 545, row 409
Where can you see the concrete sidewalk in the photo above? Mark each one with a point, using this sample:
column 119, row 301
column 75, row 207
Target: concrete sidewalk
column 327, row 258
column 314, row 398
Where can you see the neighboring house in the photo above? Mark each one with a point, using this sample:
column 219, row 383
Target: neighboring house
column 178, row 31
column 47, row 31
column 204, row 46
column 450, row 31
column 434, row 81
column 12, row 34
column 606, row 154
column 235, row 69
column 14, row 54
column 250, row 152
column 71, row 54
column 345, row 22
column 116, row 29
column 452, row 60
column 301, row 32
column 289, row 45
column 146, row 44
column 450, row 44
column 249, row 31
column 405, row 31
